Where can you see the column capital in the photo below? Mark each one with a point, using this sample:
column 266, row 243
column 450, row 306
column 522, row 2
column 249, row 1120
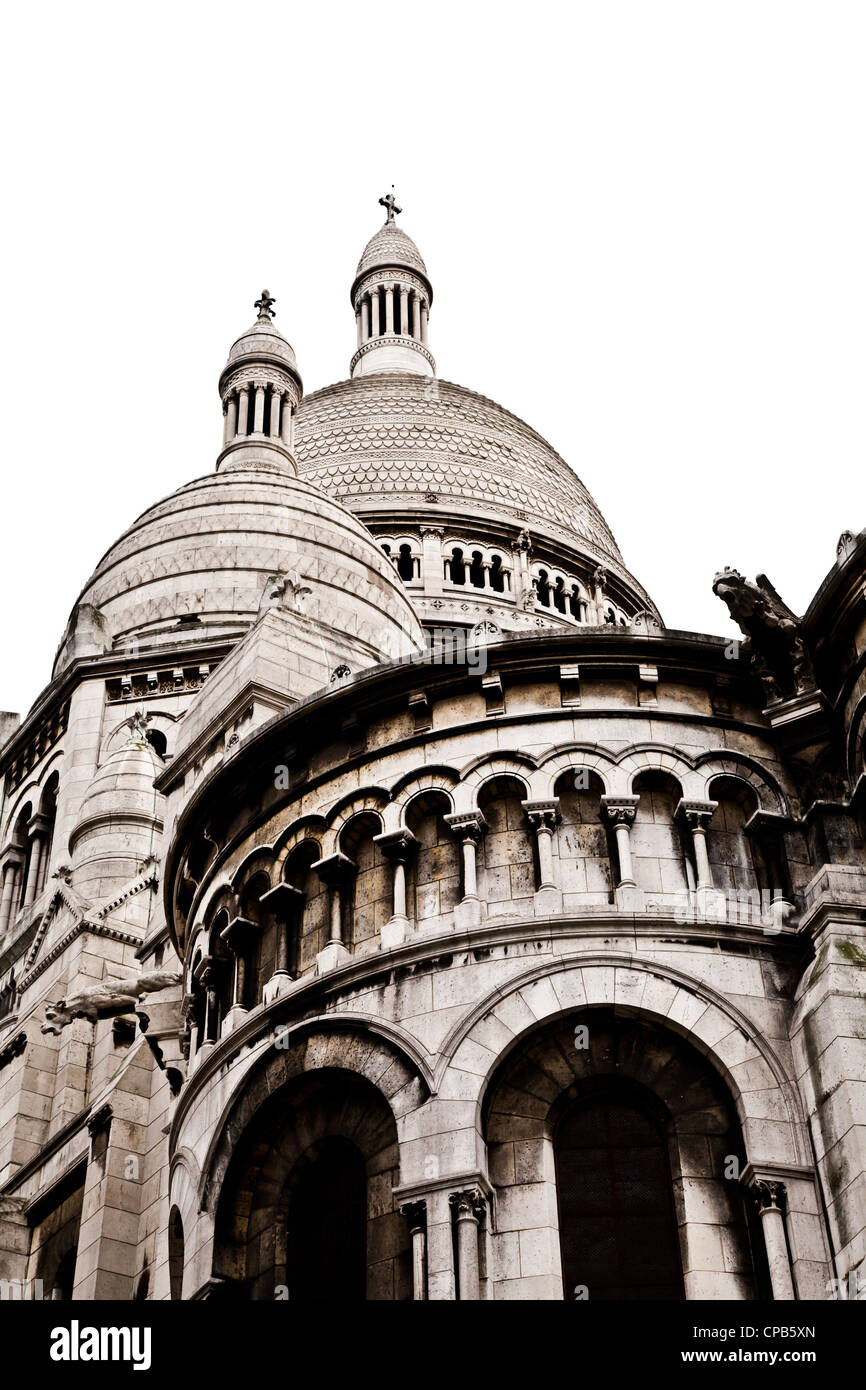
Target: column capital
column 470, row 1204
column 620, row 809
column 467, row 825
column 238, row 933
column 770, row 1196
column 282, row 899
column 415, row 1214
column 335, row 869
column 13, row 856
column 38, row 824
column 696, row 814
column 396, row 845
column 542, row 815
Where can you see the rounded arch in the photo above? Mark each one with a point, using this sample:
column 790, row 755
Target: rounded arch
column 436, row 777
column 655, row 757
column 770, row 795
column 306, row 827
column 372, row 1049
column 488, row 766
column 744, row 1058
column 570, row 758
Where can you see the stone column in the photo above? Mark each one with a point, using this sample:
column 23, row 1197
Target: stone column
column 397, row 846
column 336, row 872
column 286, row 904
column 543, row 816
column 374, row 314
column 468, row 828
column 259, row 417
column 423, row 323
column 770, row 1197
column 11, row 881
column 207, row 975
column 288, row 423
column 404, row 311
column 431, row 562
column 620, row 811
column 359, row 325
column 367, row 317
column 389, row 308
column 37, row 829
column 468, row 1208
column 274, row 421
column 239, row 936
column 416, row 1219
column 231, row 418
column 697, row 816
column 243, row 410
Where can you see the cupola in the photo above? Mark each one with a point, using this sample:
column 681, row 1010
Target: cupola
column 391, row 296
column 260, row 389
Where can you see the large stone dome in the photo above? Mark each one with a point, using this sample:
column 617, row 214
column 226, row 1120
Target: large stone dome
column 395, row 439
column 198, row 561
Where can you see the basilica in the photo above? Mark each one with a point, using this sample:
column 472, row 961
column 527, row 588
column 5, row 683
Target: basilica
column 393, row 907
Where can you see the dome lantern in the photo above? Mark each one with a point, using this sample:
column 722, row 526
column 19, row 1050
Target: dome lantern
column 260, row 389
column 391, row 296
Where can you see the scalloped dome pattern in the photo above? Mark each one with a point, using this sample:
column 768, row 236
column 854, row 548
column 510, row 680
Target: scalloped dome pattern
column 391, row 434
column 391, row 246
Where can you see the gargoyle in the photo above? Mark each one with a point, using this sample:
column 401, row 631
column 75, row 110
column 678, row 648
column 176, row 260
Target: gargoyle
column 107, row 1000
column 779, row 654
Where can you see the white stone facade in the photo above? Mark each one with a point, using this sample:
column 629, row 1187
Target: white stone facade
column 528, row 964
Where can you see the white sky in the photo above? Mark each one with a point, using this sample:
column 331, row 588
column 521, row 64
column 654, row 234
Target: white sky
column 645, row 224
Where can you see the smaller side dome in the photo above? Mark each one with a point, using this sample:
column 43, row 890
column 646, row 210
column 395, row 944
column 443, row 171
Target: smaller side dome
column 260, row 388
column 120, row 819
column 391, row 295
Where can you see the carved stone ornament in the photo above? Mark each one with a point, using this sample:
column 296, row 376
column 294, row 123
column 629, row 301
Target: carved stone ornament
column 779, row 654
column 106, row 1000
column 288, row 590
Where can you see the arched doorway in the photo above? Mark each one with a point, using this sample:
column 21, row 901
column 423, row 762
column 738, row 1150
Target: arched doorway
column 326, row 1237
column 617, row 1224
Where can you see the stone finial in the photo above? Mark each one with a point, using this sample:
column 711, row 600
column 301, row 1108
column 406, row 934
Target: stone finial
column 265, row 306
column 389, row 202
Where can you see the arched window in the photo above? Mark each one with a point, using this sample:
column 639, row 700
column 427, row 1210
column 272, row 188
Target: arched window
column 583, row 840
column 476, row 570
column 371, row 894
column 457, row 566
column 507, row 851
column 559, row 595
column 660, row 852
column 327, row 1246
column 498, row 575
column 309, row 932
column 542, row 588
column 175, row 1255
column 158, row 742
column 260, row 948
column 434, row 870
column 617, row 1224
column 406, row 563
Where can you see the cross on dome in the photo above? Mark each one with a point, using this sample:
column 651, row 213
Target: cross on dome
column 265, row 306
column 390, row 203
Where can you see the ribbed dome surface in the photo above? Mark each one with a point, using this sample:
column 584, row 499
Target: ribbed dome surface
column 262, row 340
column 199, row 559
column 401, row 439
column 391, row 246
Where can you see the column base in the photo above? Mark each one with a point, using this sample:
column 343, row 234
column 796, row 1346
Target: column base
column 394, row 932
column 233, row 1019
column 467, row 913
column 548, row 901
column 279, row 984
column 629, row 898
column 334, row 954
